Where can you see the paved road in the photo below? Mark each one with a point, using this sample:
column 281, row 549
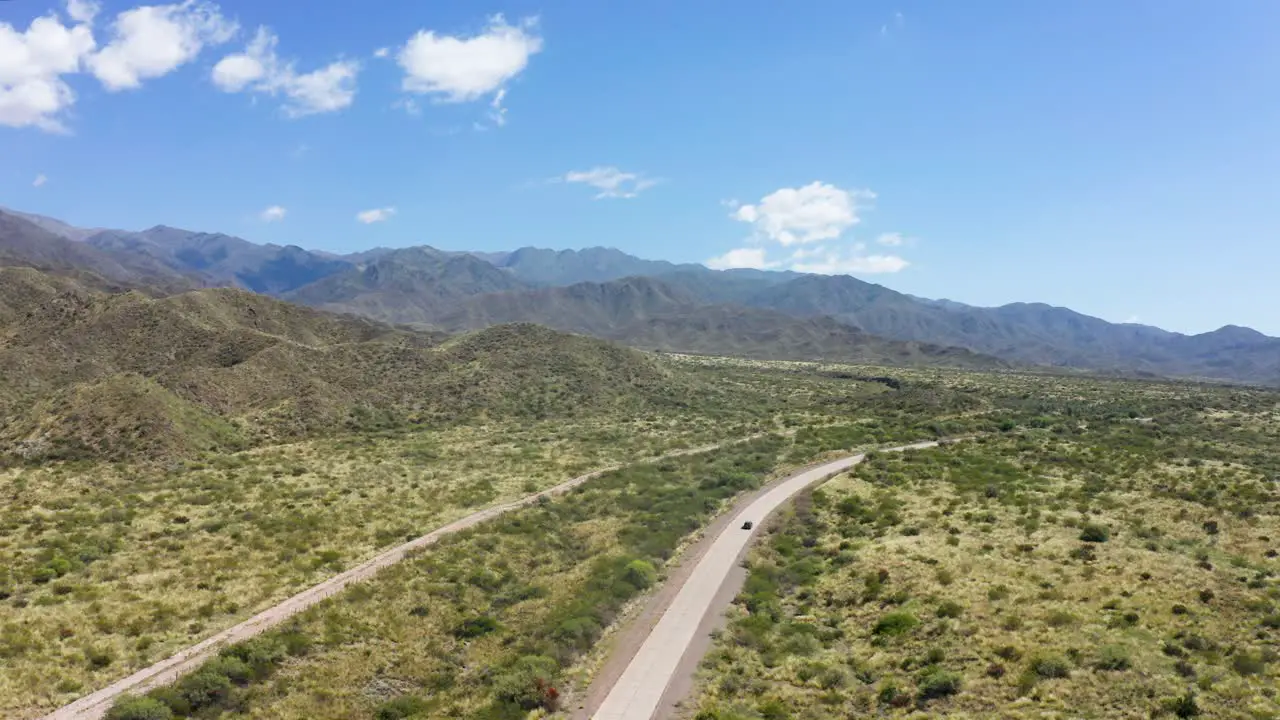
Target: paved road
column 94, row 706
column 640, row 689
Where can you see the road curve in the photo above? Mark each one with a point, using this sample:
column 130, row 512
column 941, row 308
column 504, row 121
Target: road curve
column 637, row 693
column 96, row 705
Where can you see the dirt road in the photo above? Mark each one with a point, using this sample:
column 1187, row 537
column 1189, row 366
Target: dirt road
column 659, row 671
column 94, row 706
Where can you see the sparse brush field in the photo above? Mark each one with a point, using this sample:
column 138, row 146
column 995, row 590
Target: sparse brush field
column 1118, row 568
column 484, row 624
column 106, row 568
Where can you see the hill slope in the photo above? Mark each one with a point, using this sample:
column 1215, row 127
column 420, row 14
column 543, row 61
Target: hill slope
column 649, row 314
column 94, row 374
column 26, row 244
column 1029, row 333
column 413, row 285
column 224, row 259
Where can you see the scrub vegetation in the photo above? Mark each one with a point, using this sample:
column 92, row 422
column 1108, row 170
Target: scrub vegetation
column 1111, row 553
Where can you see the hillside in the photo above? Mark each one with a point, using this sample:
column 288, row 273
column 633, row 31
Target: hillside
column 23, row 243
column 115, row 375
column 648, row 313
column 1032, row 333
column 413, row 285
column 223, row 259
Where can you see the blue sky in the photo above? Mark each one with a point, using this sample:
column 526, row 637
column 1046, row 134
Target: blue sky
column 1122, row 159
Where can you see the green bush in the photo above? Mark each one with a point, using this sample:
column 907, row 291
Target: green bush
column 232, row 668
column 205, row 689
column 1114, row 657
column 139, row 708
column 938, row 683
column 1184, row 706
column 1050, row 666
column 475, row 627
column 950, row 609
column 896, row 623
column 402, row 707
column 1248, row 664
column 1095, row 533
column 528, row 683
column 640, row 574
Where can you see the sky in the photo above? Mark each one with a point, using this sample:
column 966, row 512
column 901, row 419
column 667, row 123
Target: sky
column 1121, row 159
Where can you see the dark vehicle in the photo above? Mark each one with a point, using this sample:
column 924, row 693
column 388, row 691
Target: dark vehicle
column 746, row 525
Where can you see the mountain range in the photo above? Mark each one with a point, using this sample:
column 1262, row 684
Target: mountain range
column 645, row 303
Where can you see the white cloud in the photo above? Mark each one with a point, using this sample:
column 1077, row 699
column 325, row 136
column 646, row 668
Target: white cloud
column 32, row 63
column 39, row 181
column 462, row 69
column 275, row 213
column 154, row 40
column 368, row 217
column 259, row 69
column 834, row 262
column 807, row 224
column 83, row 11
column 741, row 258
column 818, row 211
column 611, row 182
column 382, row 52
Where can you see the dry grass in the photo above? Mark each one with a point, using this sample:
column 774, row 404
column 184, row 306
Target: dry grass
column 108, row 568
column 955, row 583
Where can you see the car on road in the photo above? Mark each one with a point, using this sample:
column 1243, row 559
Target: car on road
column 747, row 525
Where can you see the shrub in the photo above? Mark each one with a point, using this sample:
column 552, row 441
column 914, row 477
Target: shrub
column 1248, row 664
column 205, row 689
column 938, row 683
column 1113, row 657
column 99, row 658
column 139, row 708
column 233, row 668
column 1008, row 652
column 950, row 609
column 1050, row 666
column 1184, row 706
column 258, row 656
column 895, row 623
column 640, row 574
column 528, row 683
column 1060, row 618
column 1095, row 533
column 475, row 627
column 401, row 707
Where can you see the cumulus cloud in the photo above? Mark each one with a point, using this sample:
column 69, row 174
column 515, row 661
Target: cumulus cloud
column 275, row 213
column 259, row 69
column 377, row 215
column 808, row 224
column 741, row 258
column 611, row 182
column 455, row 69
column 32, row 63
column 83, row 11
column 39, row 181
column 818, row 211
column 154, row 40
